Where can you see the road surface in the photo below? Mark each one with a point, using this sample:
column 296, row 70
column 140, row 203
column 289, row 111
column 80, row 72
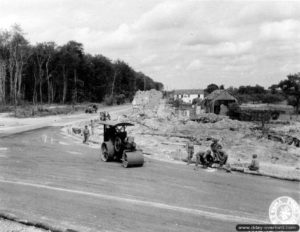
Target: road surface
column 48, row 177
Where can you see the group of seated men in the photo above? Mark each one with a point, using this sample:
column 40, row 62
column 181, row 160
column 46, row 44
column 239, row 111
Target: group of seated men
column 207, row 158
column 216, row 155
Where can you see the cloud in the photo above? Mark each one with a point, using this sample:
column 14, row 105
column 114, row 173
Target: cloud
column 281, row 30
column 230, row 49
column 164, row 16
column 120, row 38
column 194, row 65
column 209, row 35
column 258, row 12
column 149, row 59
column 173, row 41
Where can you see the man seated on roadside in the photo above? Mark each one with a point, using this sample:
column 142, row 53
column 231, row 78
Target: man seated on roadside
column 219, row 155
column 215, row 146
column 254, row 166
column 205, row 158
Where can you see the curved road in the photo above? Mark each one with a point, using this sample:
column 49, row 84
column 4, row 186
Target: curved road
column 48, row 177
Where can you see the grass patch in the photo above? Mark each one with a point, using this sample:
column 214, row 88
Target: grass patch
column 26, row 111
column 6, row 108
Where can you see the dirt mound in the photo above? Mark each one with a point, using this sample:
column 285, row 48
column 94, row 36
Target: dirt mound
column 208, row 118
column 144, row 100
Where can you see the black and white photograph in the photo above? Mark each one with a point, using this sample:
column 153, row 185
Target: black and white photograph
column 149, row 115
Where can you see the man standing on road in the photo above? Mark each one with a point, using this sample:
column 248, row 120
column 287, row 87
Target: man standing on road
column 190, row 151
column 86, row 134
column 92, row 127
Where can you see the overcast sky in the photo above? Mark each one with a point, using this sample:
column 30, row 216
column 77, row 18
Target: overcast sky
column 183, row 44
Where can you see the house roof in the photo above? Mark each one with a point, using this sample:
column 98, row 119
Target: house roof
column 220, row 94
column 189, row 91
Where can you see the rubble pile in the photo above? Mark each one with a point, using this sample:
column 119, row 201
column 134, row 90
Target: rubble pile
column 293, row 129
column 289, row 134
column 145, row 100
column 156, row 128
column 208, row 118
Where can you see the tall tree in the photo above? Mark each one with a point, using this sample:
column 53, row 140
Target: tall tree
column 4, row 55
column 49, row 48
column 71, row 55
column 47, row 73
column 18, row 55
column 210, row 88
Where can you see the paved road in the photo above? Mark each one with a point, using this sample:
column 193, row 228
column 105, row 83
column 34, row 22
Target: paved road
column 26, row 124
column 48, row 177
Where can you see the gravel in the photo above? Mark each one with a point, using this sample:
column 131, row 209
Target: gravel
column 10, row 226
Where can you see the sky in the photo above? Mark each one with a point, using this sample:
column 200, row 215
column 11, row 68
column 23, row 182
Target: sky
column 181, row 43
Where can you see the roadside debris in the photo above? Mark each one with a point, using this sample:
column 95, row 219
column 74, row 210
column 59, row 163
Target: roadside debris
column 76, row 130
column 284, row 138
column 104, row 115
column 92, row 108
column 208, row 118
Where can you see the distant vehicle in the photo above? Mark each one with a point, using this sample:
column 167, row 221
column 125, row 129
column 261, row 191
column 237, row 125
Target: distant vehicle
column 117, row 146
column 91, row 109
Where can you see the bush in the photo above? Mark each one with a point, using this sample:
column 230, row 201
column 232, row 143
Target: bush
column 234, row 110
column 196, row 101
column 109, row 100
column 39, row 111
column 120, row 99
column 272, row 98
column 177, row 103
column 6, row 108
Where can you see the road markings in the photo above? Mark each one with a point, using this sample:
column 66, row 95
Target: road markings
column 63, row 143
column 74, row 152
column 198, row 212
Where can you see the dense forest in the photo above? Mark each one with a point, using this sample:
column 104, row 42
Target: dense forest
column 47, row 73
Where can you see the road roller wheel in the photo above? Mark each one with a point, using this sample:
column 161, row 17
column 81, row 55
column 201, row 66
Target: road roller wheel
column 118, row 144
column 132, row 159
column 104, row 153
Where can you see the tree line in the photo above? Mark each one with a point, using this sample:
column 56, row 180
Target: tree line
column 286, row 90
column 48, row 73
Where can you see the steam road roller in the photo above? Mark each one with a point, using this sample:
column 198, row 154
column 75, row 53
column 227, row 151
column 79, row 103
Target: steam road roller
column 117, row 146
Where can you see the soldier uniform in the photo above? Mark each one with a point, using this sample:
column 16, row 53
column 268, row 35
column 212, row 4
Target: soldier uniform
column 92, row 127
column 86, row 134
column 220, row 155
column 190, row 151
column 254, row 166
column 204, row 158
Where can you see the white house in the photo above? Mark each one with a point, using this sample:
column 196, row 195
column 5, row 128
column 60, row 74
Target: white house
column 187, row 95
